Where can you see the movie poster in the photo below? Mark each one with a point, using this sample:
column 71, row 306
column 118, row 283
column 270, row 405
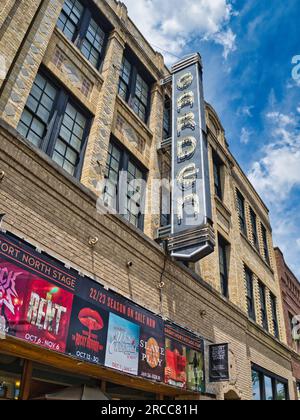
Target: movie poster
column 46, row 315
column 176, row 363
column 88, row 332
column 122, row 349
column 152, row 354
column 184, row 359
column 195, row 371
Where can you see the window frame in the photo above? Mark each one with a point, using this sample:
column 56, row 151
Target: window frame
column 264, row 234
column 218, row 166
column 254, row 229
column 223, row 246
column 263, row 306
column 250, row 307
column 125, row 158
column 135, row 71
column 90, row 12
column 53, row 126
column 167, row 112
column 242, row 217
column 274, row 307
column 276, row 380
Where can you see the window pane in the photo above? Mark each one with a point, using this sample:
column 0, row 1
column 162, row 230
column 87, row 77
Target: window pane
column 256, row 386
column 269, row 389
column 93, row 43
column 281, row 391
column 70, row 141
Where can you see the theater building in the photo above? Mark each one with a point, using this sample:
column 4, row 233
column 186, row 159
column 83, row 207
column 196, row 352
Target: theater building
column 92, row 299
column 290, row 290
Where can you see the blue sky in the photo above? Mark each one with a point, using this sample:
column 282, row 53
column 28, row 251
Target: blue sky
column 247, row 48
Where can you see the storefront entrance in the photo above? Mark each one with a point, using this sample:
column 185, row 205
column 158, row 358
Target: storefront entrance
column 22, row 379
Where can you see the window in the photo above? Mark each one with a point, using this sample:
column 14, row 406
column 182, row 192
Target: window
column 250, row 294
column 166, row 197
column 167, row 120
column 267, row 386
column 124, row 188
column 263, row 306
column 256, row 386
column 265, row 244
column 55, row 124
column 70, row 18
column 77, row 23
column 254, row 229
column 124, row 82
column 223, row 261
column 218, row 166
column 274, row 315
column 140, row 103
column 11, row 369
column 298, row 390
column 241, row 211
column 134, row 88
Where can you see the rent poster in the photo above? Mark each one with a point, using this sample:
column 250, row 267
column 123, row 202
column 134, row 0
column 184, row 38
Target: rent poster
column 152, row 353
column 122, row 349
column 184, row 359
column 88, row 332
column 46, row 315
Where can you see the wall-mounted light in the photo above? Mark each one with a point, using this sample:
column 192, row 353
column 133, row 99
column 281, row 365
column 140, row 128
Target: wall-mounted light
column 203, row 313
column 2, row 175
column 93, row 240
column 2, row 215
column 129, row 264
column 161, row 285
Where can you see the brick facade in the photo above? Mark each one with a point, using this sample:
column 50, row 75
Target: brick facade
column 57, row 213
column 290, row 289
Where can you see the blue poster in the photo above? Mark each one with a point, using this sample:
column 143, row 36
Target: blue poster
column 122, row 350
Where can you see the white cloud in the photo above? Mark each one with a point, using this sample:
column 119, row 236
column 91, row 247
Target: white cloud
column 245, row 135
column 277, row 172
column 245, row 111
column 171, row 24
column 276, row 177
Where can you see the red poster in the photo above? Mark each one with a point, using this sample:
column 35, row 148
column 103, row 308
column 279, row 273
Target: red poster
column 47, row 312
column 34, row 309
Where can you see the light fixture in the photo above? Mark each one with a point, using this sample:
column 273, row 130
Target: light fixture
column 203, row 313
column 2, row 215
column 93, row 240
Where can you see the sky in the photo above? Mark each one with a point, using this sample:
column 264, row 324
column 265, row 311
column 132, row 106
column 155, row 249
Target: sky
column 249, row 50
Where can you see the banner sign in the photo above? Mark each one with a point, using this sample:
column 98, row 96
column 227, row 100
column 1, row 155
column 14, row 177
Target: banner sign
column 219, row 363
column 192, row 233
column 48, row 305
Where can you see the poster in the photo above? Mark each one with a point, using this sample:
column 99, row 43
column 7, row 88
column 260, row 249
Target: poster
column 13, row 285
column 33, row 309
column 184, row 359
column 152, row 354
column 88, row 332
column 46, row 313
column 122, row 349
column 219, row 363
